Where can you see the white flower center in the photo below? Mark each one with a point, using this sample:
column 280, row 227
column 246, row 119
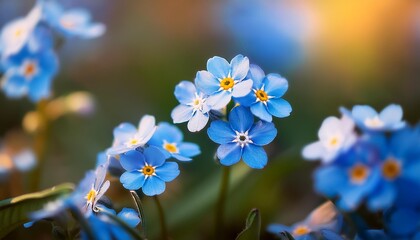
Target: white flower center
column 333, row 142
column 198, row 103
column 242, row 138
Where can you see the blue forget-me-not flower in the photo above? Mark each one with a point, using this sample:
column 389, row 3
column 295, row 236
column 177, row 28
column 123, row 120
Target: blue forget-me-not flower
column 265, row 98
column 224, row 80
column 241, row 138
column 147, row 170
column 169, row 139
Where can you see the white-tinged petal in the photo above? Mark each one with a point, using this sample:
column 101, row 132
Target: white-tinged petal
column 241, row 89
column 181, row 113
column 313, row 151
column 198, row 122
column 147, row 127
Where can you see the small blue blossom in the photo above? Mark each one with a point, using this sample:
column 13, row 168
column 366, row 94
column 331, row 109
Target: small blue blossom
column 30, row 72
column 335, row 136
column 147, row 170
column 16, row 34
column 222, row 80
column 192, row 108
column 241, row 138
column 325, row 221
column 107, row 229
column 265, row 98
column 169, row 139
column 73, row 22
column 402, row 223
column 127, row 137
column 389, row 119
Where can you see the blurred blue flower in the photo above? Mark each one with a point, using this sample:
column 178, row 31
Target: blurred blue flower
column 71, row 23
column 241, row 138
column 192, row 108
column 15, row 35
column 325, row 221
column 30, row 72
column 402, row 223
column 352, row 177
column 147, row 170
column 265, row 98
column 389, row 119
column 105, row 228
column 23, row 161
column 127, row 137
column 335, row 136
column 168, row 139
column 222, row 80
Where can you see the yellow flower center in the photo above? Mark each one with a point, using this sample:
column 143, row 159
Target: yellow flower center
column 170, row 147
column 29, row 69
column 374, row 122
column 359, row 173
column 261, row 95
column 18, row 32
column 391, row 169
column 133, row 141
column 301, row 230
column 227, row 83
column 66, row 23
column 91, row 195
column 148, row 170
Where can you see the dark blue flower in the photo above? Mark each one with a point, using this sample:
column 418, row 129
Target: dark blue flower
column 222, row 80
column 147, row 170
column 241, row 138
column 169, row 139
column 265, row 98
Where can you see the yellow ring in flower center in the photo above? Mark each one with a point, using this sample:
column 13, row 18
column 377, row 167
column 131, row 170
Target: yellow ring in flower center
column 391, row 169
column 148, row 170
column 170, row 147
column 227, row 83
column 91, row 195
column 29, row 69
column 261, row 95
column 301, row 230
column 359, row 173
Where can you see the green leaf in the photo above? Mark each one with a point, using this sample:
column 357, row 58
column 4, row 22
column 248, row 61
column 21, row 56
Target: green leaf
column 252, row 226
column 14, row 211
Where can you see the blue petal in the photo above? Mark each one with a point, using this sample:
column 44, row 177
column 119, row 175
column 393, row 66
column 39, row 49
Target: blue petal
column 278, row 228
column 392, row 114
column 132, row 180
column 167, row 132
column 132, row 160
column 124, row 131
column 182, row 113
column 40, row 88
column 275, row 85
column 383, row 197
column 154, row 157
column 262, row 133
column 185, row 92
column 254, row 156
column 329, row 180
column 189, row 149
column 153, row 186
column 361, row 112
column 219, row 100
column 241, row 89
column 229, row 154
column 220, row 132
column 207, row 82
column 218, row 66
column 248, row 100
column 240, row 67
column 279, row 107
column 198, row 121
column 260, row 110
column 403, row 222
column 129, row 216
column 257, row 75
column 241, row 119
column 14, row 85
column 168, row 171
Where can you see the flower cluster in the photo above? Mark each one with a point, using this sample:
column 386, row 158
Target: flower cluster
column 253, row 92
column 376, row 166
column 27, row 54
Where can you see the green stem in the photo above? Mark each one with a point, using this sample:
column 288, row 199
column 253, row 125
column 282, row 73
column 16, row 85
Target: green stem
column 126, row 227
column 83, row 223
column 40, row 147
column 221, row 203
column 140, row 210
column 162, row 220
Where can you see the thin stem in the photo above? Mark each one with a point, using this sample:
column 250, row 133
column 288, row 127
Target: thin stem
column 82, row 221
column 139, row 207
column 124, row 225
column 163, row 227
column 221, row 203
column 41, row 139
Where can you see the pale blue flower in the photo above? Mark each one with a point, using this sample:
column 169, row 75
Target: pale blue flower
column 224, row 80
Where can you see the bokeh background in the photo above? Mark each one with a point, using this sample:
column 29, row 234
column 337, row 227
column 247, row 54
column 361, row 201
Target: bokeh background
column 333, row 53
